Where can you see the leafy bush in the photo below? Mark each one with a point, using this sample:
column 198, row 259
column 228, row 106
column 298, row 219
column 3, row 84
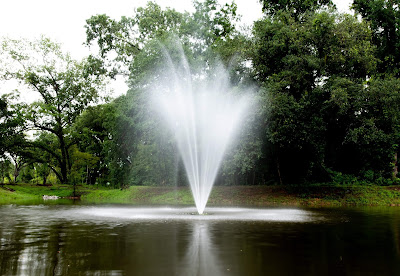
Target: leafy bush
column 340, row 178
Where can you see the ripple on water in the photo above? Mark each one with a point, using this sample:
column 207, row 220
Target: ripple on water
column 211, row 214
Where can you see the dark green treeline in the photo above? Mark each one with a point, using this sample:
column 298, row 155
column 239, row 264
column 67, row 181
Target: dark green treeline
column 326, row 93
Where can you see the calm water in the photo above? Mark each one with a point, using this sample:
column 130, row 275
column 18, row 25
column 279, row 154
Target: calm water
column 126, row 240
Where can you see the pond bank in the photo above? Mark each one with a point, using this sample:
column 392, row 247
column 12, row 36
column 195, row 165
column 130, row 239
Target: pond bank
column 305, row 195
column 310, row 195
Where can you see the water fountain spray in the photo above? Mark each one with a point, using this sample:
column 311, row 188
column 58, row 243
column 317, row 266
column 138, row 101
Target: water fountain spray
column 204, row 113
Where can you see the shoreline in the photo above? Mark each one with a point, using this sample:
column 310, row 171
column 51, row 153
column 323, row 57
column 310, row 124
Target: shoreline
column 313, row 195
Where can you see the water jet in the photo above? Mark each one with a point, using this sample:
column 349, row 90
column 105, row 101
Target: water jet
column 204, row 112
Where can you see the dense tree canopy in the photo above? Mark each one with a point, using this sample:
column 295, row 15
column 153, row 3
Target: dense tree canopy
column 121, row 41
column 297, row 8
column 300, row 63
column 64, row 87
column 11, row 126
column 326, row 95
column 384, row 19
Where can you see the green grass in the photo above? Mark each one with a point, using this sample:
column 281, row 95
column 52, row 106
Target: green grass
column 305, row 195
column 343, row 195
column 7, row 197
column 140, row 194
column 29, row 193
column 58, row 190
column 310, row 195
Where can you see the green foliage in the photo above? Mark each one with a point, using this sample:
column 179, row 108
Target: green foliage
column 65, row 88
column 96, row 131
column 375, row 130
column 326, row 97
column 141, row 151
column 155, row 23
column 12, row 126
column 313, row 70
column 5, row 169
column 312, row 62
column 384, row 19
column 297, row 56
column 343, row 179
column 211, row 26
column 42, row 172
column 296, row 7
column 13, row 151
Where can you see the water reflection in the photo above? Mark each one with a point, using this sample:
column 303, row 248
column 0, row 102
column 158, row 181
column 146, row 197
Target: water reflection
column 60, row 240
column 200, row 258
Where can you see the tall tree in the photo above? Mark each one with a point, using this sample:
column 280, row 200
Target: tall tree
column 208, row 26
column 13, row 142
column 306, row 66
column 375, row 132
column 63, row 87
column 384, row 19
column 96, row 132
column 12, row 125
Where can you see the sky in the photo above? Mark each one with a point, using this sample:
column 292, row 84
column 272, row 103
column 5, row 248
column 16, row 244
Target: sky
column 64, row 21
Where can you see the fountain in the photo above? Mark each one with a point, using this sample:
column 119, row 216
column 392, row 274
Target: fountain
column 204, row 113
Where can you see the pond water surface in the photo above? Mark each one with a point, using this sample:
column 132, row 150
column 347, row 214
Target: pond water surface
column 128, row 240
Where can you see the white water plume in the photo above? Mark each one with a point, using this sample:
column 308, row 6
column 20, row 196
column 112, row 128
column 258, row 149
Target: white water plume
column 204, row 113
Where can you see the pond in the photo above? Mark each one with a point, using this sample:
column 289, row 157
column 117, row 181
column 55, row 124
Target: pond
column 129, row 240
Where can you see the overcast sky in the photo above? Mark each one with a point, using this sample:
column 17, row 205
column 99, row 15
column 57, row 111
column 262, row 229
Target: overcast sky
column 64, row 20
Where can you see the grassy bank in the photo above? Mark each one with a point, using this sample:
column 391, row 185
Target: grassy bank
column 22, row 193
column 310, row 195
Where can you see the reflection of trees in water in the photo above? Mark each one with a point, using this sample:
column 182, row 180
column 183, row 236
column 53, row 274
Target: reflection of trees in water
column 10, row 247
column 396, row 232
column 32, row 242
column 200, row 258
column 29, row 248
column 42, row 246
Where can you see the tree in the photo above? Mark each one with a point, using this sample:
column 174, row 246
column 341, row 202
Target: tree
column 5, row 169
column 308, row 67
column 384, row 19
column 210, row 25
column 95, row 129
column 12, row 135
column 295, row 7
column 141, row 151
column 375, row 132
column 12, row 125
column 42, row 170
column 4, row 128
column 64, row 87
column 20, row 159
column 45, row 148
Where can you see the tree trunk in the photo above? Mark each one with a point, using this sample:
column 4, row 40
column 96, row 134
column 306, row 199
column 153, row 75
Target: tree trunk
column 278, row 167
column 395, row 167
column 74, row 193
column 64, row 158
column 87, row 174
column 16, row 173
column 64, row 174
column 17, row 169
